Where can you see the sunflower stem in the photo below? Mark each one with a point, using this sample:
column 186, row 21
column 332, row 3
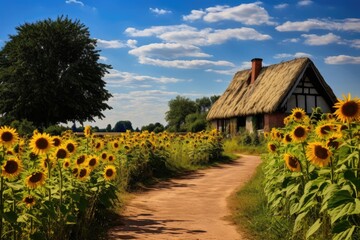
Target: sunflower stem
column 61, row 182
column 306, row 161
column 1, row 205
column 332, row 169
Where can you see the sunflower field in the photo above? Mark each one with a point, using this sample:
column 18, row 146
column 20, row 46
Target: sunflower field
column 312, row 172
column 51, row 187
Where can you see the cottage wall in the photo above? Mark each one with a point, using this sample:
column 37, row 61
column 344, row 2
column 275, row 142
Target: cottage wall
column 273, row 120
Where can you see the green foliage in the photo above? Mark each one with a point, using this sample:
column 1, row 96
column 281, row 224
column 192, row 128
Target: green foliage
column 123, row 126
column 24, row 127
column 49, row 74
column 195, row 122
column 156, row 128
column 55, row 130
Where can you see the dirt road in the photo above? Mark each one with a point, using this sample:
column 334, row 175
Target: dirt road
column 187, row 208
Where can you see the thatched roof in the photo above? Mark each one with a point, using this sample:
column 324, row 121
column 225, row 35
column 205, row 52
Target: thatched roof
column 269, row 91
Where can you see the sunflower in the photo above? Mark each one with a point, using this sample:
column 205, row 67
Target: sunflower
column 348, row 110
column 288, row 119
column 272, row 147
column 299, row 133
column 115, row 145
column 83, row 174
column 75, row 171
column 318, row 154
column 61, row 152
column 70, row 146
column 287, row 138
column 11, row 168
column 334, row 141
column 56, row 141
column 92, row 162
column 292, row 163
column 35, row 179
column 98, row 145
column 323, row 129
column 87, row 131
column 111, row 158
column 41, row 143
column 104, row 156
column 80, row 159
column 29, row 201
column 46, row 162
column 109, row 172
column 66, row 163
column 8, row 136
column 298, row 114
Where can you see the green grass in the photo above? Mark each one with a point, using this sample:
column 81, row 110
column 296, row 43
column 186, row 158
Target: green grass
column 250, row 213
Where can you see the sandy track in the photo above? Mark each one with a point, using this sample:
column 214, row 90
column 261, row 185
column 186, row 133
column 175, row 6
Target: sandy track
column 187, row 208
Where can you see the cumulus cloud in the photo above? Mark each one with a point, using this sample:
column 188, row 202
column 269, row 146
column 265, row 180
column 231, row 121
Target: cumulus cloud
column 168, row 51
column 115, row 43
column 304, row 3
column 291, row 40
column 281, row 6
column 184, row 64
column 159, row 11
column 75, row 2
column 200, row 37
column 342, row 59
column 317, row 40
column 288, row 55
column 348, row 24
column 232, row 71
column 116, row 78
column 103, row 58
column 354, row 43
column 249, row 14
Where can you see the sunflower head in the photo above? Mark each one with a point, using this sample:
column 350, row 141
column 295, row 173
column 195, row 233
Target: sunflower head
column 80, row 159
column 83, row 173
column 70, row 146
column 111, row 158
column 298, row 114
column 92, row 162
column 61, row 152
column 8, row 136
column 299, row 133
column 56, row 141
column 87, row 131
column 115, row 145
column 66, row 163
column 323, row 129
column 104, row 156
column 41, row 143
column 11, row 168
column 318, row 154
column 272, row 147
column 292, row 163
column 29, row 201
column 347, row 110
column 46, row 163
column 334, row 141
column 109, row 172
column 98, row 145
column 35, row 179
column 287, row 138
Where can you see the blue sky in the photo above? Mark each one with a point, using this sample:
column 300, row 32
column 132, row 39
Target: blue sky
column 163, row 48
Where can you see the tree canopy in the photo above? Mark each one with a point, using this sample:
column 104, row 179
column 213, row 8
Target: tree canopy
column 49, row 73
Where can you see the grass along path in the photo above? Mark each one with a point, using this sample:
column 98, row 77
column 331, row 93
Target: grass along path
column 187, row 208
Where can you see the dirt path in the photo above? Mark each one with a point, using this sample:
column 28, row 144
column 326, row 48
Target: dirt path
column 187, row 208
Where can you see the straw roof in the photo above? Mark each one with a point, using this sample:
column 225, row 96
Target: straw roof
column 267, row 94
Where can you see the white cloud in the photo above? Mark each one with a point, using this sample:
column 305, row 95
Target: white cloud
column 168, row 51
column 348, row 24
column 249, row 14
column 232, row 71
column 354, row 43
column 189, row 35
column 281, row 6
column 159, row 11
column 291, row 40
column 116, row 43
column 194, row 15
column 75, row 2
column 110, row 44
column 103, row 58
column 305, row 2
column 184, row 64
column 317, row 40
column 288, row 55
column 342, row 59
column 116, row 78
column 155, row 30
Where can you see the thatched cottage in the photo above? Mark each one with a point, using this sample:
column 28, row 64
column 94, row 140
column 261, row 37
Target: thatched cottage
column 261, row 97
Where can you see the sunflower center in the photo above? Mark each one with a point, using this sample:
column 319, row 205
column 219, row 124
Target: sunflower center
column 75, row 171
column 111, row 158
column 325, row 129
column 321, row 152
column 288, row 138
column 61, row 153
column 298, row 115
column 92, row 162
column 104, row 156
column 109, row 172
column 7, row 136
column 42, row 143
column 350, row 109
column 299, row 132
column 333, row 143
column 80, row 159
column 82, row 173
column 36, row 177
column 116, row 145
column 98, row 145
column 70, row 147
column 293, row 162
column 29, row 200
column 56, row 142
column 11, row 166
column 66, row 164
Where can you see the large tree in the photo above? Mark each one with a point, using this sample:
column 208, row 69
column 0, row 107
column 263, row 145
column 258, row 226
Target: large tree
column 49, row 73
column 179, row 108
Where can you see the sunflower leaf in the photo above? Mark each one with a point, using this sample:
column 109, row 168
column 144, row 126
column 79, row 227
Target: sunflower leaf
column 313, row 228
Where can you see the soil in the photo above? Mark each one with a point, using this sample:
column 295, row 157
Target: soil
column 192, row 207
